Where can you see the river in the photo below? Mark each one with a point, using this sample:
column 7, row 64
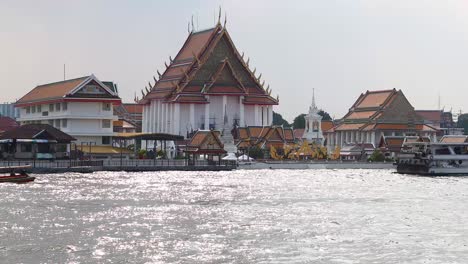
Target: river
column 262, row 216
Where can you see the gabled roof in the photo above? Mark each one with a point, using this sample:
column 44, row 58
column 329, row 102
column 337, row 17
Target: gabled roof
column 7, row 123
column 195, row 53
column 431, row 116
column 33, row 131
column 206, row 141
column 454, row 139
column 373, row 99
column 62, row 89
column 264, row 136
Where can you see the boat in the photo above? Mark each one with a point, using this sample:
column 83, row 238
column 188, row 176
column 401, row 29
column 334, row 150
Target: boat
column 16, row 174
column 433, row 159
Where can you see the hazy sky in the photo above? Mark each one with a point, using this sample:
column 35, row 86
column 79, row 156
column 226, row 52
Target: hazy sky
column 340, row 48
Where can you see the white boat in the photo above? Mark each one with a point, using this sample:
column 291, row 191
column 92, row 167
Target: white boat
column 447, row 157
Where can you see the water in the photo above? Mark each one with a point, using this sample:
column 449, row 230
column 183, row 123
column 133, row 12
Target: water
column 265, row 216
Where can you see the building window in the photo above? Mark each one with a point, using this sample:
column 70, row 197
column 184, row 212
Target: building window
column 105, row 140
column 57, row 123
column 64, row 106
column 106, row 106
column 28, row 110
column 39, row 108
column 106, row 123
column 58, row 106
column 33, row 109
column 51, row 107
column 64, row 122
column 26, row 147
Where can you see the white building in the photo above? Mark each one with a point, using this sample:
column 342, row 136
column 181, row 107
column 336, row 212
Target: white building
column 208, row 85
column 313, row 124
column 82, row 108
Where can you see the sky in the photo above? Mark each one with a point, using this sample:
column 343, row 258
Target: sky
column 340, row 48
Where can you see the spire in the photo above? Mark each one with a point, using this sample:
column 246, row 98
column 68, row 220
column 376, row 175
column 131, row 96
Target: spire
column 313, row 98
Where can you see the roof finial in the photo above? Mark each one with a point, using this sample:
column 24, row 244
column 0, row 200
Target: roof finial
column 225, row 19
column 159, row 74
column 155, row 80
column 188, row 28
column 192, row 24
column 150, row 86
column 219, row 16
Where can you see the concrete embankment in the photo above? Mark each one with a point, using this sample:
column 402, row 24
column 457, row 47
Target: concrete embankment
column 317, row 165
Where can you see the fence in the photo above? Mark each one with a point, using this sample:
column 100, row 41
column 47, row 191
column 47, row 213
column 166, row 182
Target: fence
column 113, row 163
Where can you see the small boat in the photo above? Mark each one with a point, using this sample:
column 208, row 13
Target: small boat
column 15, row 174
column 433, row 159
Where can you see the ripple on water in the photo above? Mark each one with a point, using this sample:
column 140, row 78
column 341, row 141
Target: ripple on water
column 270, row 216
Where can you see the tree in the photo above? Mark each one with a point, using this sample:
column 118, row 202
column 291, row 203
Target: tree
column 463, row 122
column 325, row 116
column 377, row 156
column 299, row 121
column 278, row 120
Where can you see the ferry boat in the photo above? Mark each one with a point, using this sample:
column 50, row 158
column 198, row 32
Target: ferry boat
column 445, row 158
column 15, row 174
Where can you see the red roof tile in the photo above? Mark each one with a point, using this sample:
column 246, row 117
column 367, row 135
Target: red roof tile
column 7, row 123
column 51, row 90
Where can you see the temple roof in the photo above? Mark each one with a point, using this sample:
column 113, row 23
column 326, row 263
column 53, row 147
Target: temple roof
column 381, row 110
column 199, row 70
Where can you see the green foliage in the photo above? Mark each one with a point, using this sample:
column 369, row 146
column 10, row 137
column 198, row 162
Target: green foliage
column 463, row 122
column 278, row 120
column 299, row 121
column 377, row 156
column 325, row 116
column 142, row 153
column 161, row 153
column 256, row 153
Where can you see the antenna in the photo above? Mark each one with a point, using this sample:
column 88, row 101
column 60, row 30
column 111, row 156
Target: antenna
column 64, row 72
column 438, row 103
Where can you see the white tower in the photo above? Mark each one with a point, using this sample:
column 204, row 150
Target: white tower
column 313, row 124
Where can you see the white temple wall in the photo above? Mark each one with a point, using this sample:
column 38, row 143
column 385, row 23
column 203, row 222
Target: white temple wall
column 249, row 115
column 184, row 119
column 216, row 111
column 233, row 109
column 199, row 116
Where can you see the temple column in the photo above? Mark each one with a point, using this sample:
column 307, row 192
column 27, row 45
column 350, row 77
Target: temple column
column 207, row 114
column 373, row 137
column 256, row 121
column 224, row 109
column 152, row 104
column 169, row 118
column 341, row 138
column 145, row 118
column 177, row 119
column 241, row 112
column 192, row 115
column 270, row 114
column 164, row 118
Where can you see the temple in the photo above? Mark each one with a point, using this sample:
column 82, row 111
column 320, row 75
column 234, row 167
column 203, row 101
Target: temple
column 207, row 86
column 376, row 114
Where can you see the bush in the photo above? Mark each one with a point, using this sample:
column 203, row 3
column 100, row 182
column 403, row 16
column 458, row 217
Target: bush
column 256, row 153
column 377, row 156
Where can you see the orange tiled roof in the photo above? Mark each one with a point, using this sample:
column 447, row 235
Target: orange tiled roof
column 434, row 116
column 190, row 59
column 327, row 125
column 361, row 115
column 51, row 90
column 298, row 133
column 133, row 108
column 375, row 98
column 454, row 139
column 343, row 127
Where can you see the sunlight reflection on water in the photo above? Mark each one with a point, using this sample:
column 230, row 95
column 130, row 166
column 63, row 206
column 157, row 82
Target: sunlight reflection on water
column 265, row 216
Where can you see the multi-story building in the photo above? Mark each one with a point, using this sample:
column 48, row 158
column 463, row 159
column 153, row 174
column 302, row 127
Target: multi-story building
column 81, row 107
column 8, row 109
column 208, row 85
